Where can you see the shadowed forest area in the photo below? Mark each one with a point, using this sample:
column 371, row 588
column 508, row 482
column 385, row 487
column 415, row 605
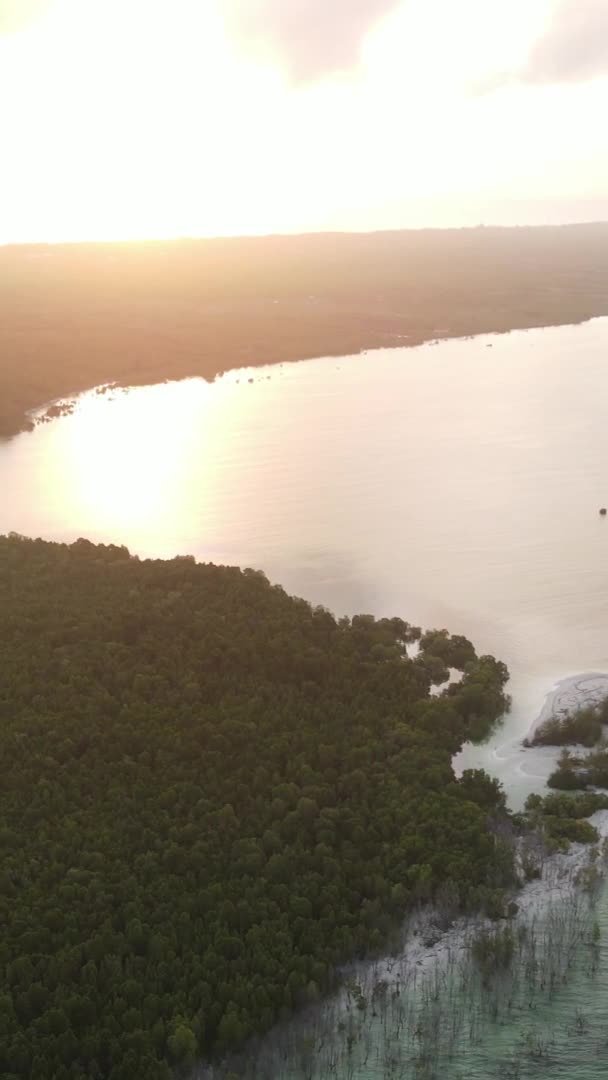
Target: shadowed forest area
column 75, row 316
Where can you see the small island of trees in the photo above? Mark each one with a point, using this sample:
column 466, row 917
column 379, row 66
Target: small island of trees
column 584, row 726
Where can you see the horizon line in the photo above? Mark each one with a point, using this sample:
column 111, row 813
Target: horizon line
column 314, row 233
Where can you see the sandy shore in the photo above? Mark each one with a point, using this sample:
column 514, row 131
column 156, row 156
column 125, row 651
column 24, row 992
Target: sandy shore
column 572, row 693
column 419, row 971
column 427, row 948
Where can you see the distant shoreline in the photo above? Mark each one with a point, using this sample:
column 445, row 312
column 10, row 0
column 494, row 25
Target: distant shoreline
column 139, row 314
column 65, row 404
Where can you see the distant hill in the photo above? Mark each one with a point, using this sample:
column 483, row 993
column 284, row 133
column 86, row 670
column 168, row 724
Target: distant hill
column 74, row 316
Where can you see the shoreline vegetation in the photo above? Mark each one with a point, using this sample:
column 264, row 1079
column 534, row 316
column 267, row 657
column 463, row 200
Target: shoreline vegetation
column 217, row 798
column 78, row 316
column 577, row 772
column 450, row 984
column 575, row 715
column 583, row 727
column 215, row 795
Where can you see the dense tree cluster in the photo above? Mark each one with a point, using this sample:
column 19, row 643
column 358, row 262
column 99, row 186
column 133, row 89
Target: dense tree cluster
column 212, row 794
column 584, row 726
column 580, row 771
column 561, row 818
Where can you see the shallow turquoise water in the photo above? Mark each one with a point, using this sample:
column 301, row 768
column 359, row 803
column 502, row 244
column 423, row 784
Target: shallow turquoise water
column 542, row 1015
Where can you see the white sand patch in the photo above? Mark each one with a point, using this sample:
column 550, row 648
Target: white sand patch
column 427, row 946
column 575, row 692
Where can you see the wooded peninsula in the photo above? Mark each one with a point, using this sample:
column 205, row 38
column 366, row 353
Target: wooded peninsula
column 80, row 315
column 214, row 794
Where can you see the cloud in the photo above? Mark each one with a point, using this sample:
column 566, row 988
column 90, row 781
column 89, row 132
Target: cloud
column 575, row 46
column 18, row 14
column 313, row 37
column 488, row 84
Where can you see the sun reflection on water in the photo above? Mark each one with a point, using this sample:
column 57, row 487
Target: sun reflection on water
column 127, row 464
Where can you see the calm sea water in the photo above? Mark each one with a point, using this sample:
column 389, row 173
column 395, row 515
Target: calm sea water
column 455, row 484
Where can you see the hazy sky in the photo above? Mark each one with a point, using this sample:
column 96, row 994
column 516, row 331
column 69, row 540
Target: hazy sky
column 129, row 118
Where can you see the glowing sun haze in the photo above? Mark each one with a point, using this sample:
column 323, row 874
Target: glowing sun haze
column 137, row 118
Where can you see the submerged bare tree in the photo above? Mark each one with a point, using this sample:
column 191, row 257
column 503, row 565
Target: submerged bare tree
column 421, row 1014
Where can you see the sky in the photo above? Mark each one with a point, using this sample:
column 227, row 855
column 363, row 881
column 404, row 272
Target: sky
column 124, row 119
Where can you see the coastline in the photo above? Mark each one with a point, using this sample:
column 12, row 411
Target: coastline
column 558, row 881
column 437, row 953
column 64, row 404
column 140, row 314
column 432, row 973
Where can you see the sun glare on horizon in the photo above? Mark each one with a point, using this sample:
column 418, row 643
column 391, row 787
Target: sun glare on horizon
column 147, row 118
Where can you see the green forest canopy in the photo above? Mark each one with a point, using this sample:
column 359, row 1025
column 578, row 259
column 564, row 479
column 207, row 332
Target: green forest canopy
column 212, row 795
